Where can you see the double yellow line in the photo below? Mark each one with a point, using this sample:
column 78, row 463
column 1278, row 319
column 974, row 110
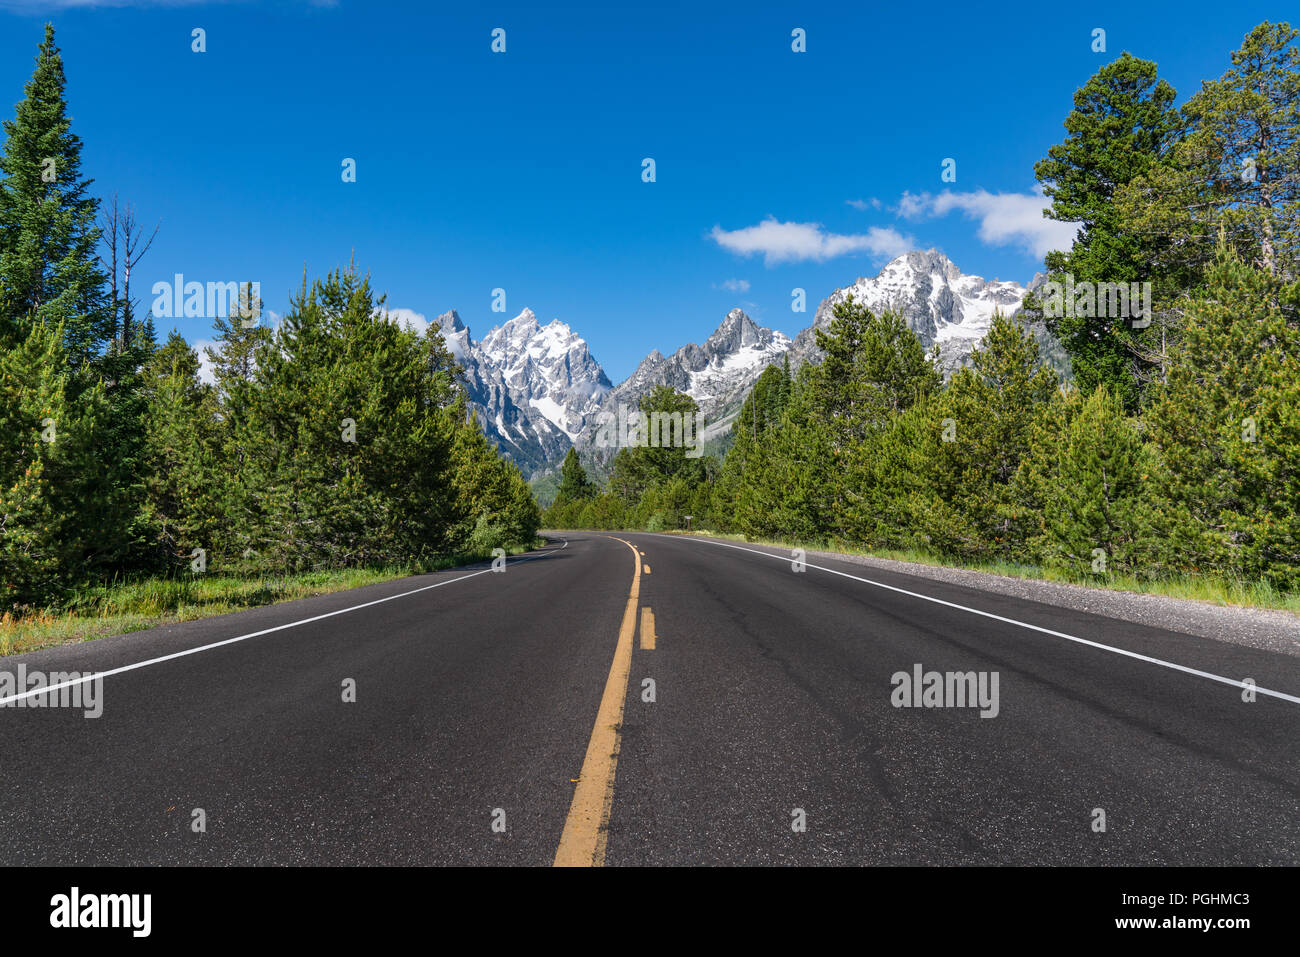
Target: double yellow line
column 586, row 828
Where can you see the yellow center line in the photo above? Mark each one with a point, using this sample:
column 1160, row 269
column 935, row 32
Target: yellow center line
column 647, row 629
column 582, row 844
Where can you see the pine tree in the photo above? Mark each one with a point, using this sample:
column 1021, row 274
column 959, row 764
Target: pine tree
column 875, row 368
column 1097, row 509
column 185, row 482
column 347, row 435
column 496, row 506
column 978, row 432
column 892, row 497
column 53, row 521
column 33, row 406
column 1234, row 167
column 1227, row 429
column 641, row 467
column 574, row 484
column 48, row 231
column 1123, row 118
column 784, row 492
column 759, row 415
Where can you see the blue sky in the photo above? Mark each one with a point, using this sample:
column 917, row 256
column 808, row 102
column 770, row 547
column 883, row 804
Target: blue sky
column 523, row 170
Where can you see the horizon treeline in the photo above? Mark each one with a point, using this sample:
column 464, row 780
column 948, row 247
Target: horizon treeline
column 1173, row 449
column 337, row 439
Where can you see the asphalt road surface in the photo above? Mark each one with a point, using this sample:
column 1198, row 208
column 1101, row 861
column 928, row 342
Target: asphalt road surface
column 630, row 699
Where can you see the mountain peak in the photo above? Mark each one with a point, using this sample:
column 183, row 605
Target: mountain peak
column 736, row 331
column 940, row 303
column 449, row 321
column 920, row 262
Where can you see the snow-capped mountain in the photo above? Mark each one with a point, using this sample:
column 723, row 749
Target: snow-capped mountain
column 549, row 365
column 537, row 390
column 940, row 303
column 531, row 386
column 717, row 374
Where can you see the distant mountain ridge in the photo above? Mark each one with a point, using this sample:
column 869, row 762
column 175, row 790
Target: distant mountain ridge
column 717, row 374
column 537, row 390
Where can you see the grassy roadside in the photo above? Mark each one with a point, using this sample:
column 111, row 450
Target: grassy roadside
column 1216, row 591
column 124, row 607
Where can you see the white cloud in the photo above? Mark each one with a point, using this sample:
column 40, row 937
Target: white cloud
column 419, row 323
column 736, row 285
column 407, row 319
column 799, row 242
column 911, row 206
column 205, row 364
column 1005, row 218
column 862, row 205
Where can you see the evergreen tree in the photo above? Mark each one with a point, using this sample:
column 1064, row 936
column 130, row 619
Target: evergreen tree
column 574, row 484
column 979, row 431
column 891, row 500
column 232, row 357
column 875, row 369
column 1234, row 169
column 186, row 483
column 1227, row 428
column 1096, row 504
column 346, row 435
column 1123, row 118
column 643, row 465
column 761, row 412
column 495, row 506
column 48, row 231
column 784, row 492
column 52, row 517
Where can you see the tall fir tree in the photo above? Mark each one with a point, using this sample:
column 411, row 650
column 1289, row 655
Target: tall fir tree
column 643, row 465
column 574, row 484
column 186, row 484
column 48, row 231
column 761, row 412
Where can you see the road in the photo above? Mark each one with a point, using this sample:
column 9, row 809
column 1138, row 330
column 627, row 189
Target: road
column 505, row 718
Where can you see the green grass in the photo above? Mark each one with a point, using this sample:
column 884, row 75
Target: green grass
column 121, row 607
column 1205, row 588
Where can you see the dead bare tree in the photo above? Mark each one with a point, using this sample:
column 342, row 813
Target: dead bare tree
column 124, row 246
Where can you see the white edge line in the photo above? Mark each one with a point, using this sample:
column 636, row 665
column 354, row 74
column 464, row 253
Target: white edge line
column 255, row 634
column 1012, row 621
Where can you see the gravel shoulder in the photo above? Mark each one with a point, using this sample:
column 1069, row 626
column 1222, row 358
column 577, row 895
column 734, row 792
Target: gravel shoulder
column 1265, row 629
